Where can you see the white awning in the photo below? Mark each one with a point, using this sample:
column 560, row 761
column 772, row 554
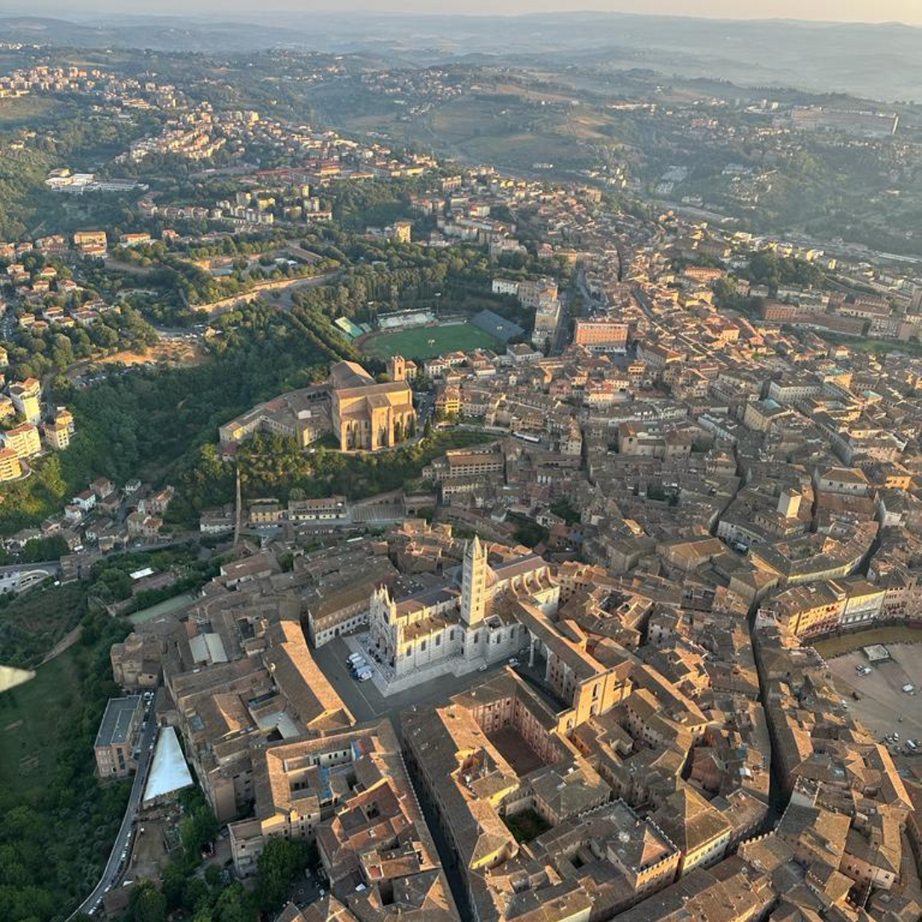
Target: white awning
column 169, row 772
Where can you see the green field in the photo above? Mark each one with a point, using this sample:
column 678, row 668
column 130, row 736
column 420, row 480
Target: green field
column 25, row 110
column 33, row 717
column 415, row 343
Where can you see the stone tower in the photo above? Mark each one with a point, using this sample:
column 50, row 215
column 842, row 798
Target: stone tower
column 474, row 583
column 789, row 504
column 397, row 368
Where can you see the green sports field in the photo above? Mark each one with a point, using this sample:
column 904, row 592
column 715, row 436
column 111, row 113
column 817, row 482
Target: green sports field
column 426, row 342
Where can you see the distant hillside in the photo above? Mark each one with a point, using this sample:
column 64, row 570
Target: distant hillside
column 155, row 33
column 877, row 61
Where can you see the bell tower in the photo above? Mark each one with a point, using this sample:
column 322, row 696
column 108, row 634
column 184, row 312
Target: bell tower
column 397, row 368
column 474, row 583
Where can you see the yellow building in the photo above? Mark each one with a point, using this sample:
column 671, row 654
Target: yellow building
column 10, row 468
column 366, row 415
column 96, row 241
column 401, row 231
column 58, row 432
column 23, row 440
column 25, row 396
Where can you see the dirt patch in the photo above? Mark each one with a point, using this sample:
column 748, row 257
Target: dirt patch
column 150, row 854
column 174, row 352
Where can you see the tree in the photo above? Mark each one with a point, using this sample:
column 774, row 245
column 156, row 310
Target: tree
column 235, row 905
column 529, row 532
column 213, row 876
column 196, row 830
column 196, row 894
column 276, row 869
column 172, row 886
column 147, row 903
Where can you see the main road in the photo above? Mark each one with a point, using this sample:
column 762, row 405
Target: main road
column 115, row 866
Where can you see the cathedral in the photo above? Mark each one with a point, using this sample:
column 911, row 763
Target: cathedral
column 368, row 416
column 474, row 618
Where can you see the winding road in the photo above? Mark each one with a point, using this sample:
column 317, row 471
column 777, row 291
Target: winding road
column 115, row 866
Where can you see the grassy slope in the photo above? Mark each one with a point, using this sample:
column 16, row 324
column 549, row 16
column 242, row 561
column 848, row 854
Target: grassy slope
column 30, row 718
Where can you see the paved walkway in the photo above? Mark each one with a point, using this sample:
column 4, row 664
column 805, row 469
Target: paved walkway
column 65, row 643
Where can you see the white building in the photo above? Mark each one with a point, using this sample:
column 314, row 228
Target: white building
column 472, row 621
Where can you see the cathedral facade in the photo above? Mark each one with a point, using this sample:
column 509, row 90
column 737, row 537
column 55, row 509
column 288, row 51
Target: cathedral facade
column 366, row 415
column 473, row 618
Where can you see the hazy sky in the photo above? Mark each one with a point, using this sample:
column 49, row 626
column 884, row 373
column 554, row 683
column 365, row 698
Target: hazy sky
column 841, row 10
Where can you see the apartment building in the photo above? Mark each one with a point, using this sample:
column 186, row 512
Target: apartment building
column 10, row 468
column 58, row 432
column 26, row 397
column 23, row 441
column 601, row 335
column 117, row 736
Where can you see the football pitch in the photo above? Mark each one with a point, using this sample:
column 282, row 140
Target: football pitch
column 426, row 342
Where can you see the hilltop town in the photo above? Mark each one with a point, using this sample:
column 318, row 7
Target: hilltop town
column 428, row 541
